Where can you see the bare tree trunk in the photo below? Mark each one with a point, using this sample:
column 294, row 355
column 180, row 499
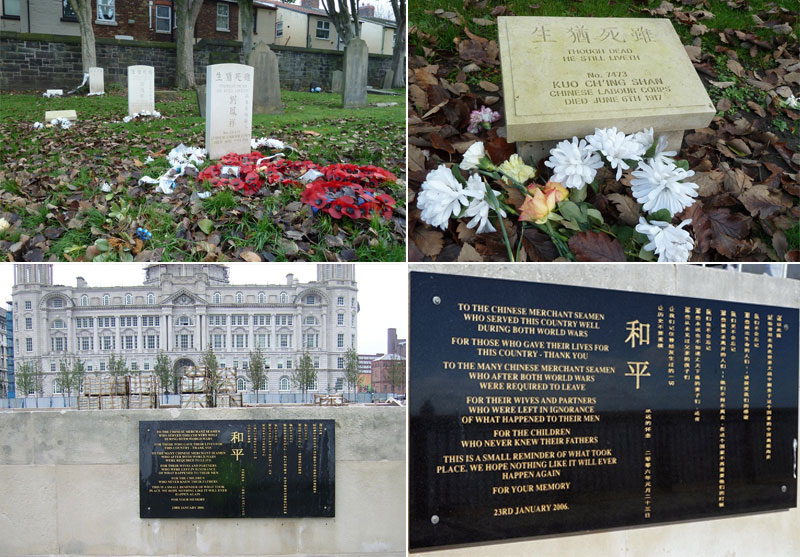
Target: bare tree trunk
column 399, row 50
column 341, row 18
column 246, row 17
column 186, row 12
column 83, row 9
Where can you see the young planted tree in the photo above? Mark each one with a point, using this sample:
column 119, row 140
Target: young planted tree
column 25, row 378
column 344, row 15
column 83, row 11
column 163, row 370
column 64, row 379
column 256, row 370
column 77, row 375
column 399, row 49
column 212, row 375
column 117, row 368
column 396, row 374
column 186, row 12
column 305, row 374
column 351, row 373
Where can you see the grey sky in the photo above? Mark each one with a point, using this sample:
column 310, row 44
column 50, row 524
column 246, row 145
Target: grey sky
column 382, row 289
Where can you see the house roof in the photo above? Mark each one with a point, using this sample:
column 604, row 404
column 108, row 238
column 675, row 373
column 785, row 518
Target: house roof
column 379, row 21
column 386, row 357
column 264, row 5
column 294, row 8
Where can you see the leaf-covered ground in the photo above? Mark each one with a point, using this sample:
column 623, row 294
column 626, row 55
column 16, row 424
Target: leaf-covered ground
column 746, row 161
column 50, row 183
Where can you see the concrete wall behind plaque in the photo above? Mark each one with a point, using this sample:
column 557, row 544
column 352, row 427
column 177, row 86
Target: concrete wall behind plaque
column 774, row 533
column 69, row 485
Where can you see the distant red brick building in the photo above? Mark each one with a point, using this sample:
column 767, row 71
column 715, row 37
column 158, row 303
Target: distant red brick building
column 382, row 370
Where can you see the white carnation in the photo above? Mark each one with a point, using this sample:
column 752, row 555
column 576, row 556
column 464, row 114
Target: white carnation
column 658, row 186
column 574, row 164
column 671, row 243
column 616, row 147
column 473, row 156
column 442, row 197
column 479, row 207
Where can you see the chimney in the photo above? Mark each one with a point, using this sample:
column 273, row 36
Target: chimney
column 367, row 11
column 391, row 345
column 81, row 282
column 290, row 279
column 314, row 4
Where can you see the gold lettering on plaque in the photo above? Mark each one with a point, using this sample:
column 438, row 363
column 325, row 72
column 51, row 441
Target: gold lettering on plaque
column 237, row 437
column 638, row 370
column 638, row 332
column 237, row 453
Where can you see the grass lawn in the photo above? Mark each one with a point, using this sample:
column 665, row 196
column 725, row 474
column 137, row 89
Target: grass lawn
column 746, row 54
column 50, row 183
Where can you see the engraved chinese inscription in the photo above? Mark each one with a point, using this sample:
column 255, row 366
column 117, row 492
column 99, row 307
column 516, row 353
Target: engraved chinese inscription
column 539, row 409
column 239, row 468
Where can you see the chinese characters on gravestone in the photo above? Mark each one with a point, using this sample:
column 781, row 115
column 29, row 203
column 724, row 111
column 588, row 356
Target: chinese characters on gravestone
column 229, row 105
column 96, row 81
column 141, row 89
column 571, row 409
column 597, row 73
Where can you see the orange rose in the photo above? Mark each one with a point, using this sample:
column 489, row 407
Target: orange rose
column 541, row 200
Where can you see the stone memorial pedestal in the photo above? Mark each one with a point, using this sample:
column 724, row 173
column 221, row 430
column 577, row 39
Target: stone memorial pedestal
column 141, row 89
column 229, row 106
column 267, row 90
column 354, row 76
column 592, row 73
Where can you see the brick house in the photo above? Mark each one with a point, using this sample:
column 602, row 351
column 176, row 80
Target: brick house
column 140, row 20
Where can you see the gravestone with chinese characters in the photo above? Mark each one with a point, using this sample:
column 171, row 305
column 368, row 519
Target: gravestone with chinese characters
column 540, row 409
column 267, row 85
column 336, row 81
column 141, row 89
column 96, row 85
column 628, row 73
column 356, row 57
column 229, row 105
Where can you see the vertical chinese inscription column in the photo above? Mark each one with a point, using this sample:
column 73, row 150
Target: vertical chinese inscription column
column 141, row 89
column 229, row 107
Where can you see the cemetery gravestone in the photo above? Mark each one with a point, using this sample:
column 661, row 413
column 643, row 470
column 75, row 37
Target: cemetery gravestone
column 388, row 77
column 55, row 92
column 595, row 73
column 267, row 88
column 354, row 76
column 70, row 115
column 96, row 81
column 229, row 105
column 336, row 81
column 141, row 89
column 201, row 100
column 540, row 409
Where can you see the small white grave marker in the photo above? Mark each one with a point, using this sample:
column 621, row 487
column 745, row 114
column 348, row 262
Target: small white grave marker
column 70, row 115
column 96, row 81
column 55, row 92
column 229, row 109
column 141, row 89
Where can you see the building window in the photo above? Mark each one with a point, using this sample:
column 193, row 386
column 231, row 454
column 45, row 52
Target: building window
column 340, row 301
column 235, row 364
column 310, row 300
column 217, row 298
column 146, row 366
column 184, row 320
column 239, row 298
column 352, row 303
column 323, row 29
column 340, row 362
column 353, row 320
column 28, row 304
column 134, row 366
column 29, row 345
column 284, row 298
column 151, row 342
column 311, row 340
column 58, row 344
column 52, row 367
column 340, row 319
column 151, row 320
column 106, row 322
column 339, row 384
column 222, row 17
column 128, row 299
column 58, row 324
column 279, row 28
column 240, row 320
column 283, row 320
column 316, row 362
column 240, row 341
column 57, row 390
column 285, row 384
column 86, row 343
column 11, row 9
column 310, row 320
column 284, row 340
column 129, row 342
column 102, row 366
column 262, row 341
column 67, row 12
column 163, row 19
column 28, row 323
column 58, row 303
column 261, row 320
column 105, row 10
column 128, row 321
column 218, row 341
column 151, row 299
column 106, row 300
column 108, row 342
column 340, row 340
column 217, row 320
column 240, row 384
column 84, row 300
column 262, row 298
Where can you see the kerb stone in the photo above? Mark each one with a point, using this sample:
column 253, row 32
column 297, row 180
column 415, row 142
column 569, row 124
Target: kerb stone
column 356, row 57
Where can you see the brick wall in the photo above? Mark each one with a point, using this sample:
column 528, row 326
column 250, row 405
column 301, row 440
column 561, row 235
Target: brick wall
column 38, row 62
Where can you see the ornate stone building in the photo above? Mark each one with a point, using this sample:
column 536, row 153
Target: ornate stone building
column 182, row 309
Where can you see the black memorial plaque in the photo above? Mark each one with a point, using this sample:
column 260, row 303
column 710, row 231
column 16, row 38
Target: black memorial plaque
column 538, row 409
column 236, row 468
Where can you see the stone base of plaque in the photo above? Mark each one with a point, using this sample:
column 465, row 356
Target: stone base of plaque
column 541, row 149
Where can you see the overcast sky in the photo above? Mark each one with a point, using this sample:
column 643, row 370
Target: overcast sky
column 382, row 289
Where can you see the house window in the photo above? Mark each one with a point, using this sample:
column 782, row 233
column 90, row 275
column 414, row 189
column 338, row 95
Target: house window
column 29, row 345
column 284, row 297
column 340, row 301
column 323, row 29
column 28, row 323
column 340, row 319
column 240, row 384
column 163, row 19
column 279, row 28
column 217, row 298
column 128, row 299
column 57, row 390
column 340, row 362
column 262, row 298
column 84, row 300
column 28, row 304
column 105, row 10
column 151, row 299
column 222, row 17
column 340, row 340
column 285, row 385
column 106, row 300
column 11, row 9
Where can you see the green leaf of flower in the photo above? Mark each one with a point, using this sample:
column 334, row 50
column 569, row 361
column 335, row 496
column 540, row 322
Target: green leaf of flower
column 205, row 225
column 595, row 215
column 571, row 211
column 101, row 244
column 646, row 255
column 684, row 164
column 662, row 215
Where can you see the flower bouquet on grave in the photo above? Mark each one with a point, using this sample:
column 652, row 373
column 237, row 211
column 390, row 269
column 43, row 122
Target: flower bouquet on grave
column 585, row 173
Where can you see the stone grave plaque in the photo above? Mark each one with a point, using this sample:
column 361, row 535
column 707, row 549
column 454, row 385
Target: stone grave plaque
column 236, row 468
column 70, row 115
column 141, row 89
column 566, row 76
column 539, row 409
column 229, row 109
column 96, row 80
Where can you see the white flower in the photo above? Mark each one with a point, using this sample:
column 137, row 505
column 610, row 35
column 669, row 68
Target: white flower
column 38, row 125
column 127, row 119
column 63, row 122
column 106, row 187
column 4, row 224
column 574, row 164
column 658, row 186
column 473, row 156
column 645, row 139
column 616, row 147
column 441, row 197
column 149, row 159
column 672, row 244
column 204, row 194
column 156, row 114
column 792, row 102
column 479, row 207
column 269, row 142
column 182, row 154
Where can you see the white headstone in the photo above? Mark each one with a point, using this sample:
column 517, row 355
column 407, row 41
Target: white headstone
column 55, row 92
column 141, row 89
column 96, row 81
column 229, row 109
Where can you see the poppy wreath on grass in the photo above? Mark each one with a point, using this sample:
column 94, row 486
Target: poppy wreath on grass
column 343, row 190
